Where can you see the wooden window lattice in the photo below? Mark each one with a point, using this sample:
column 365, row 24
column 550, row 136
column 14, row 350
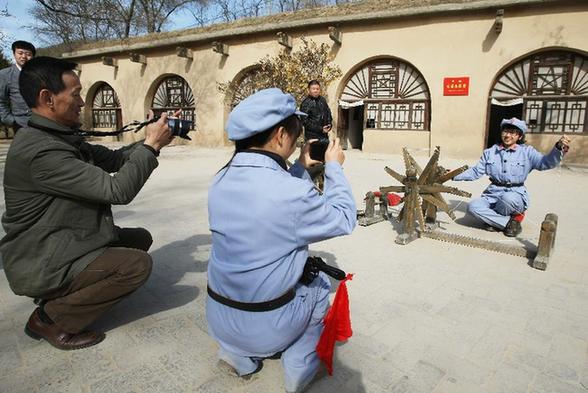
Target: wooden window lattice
column 397, row 115
column 554, row 88
column 556, row 116
column 106, row 112
column 174, row 93
column 395, row 95
column 383, row 79
column 549, row 74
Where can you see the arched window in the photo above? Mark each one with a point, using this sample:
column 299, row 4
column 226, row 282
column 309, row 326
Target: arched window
column 244, row 86
column 106, row 112
column 394, row 93
column 173, row 93
column 553, row 87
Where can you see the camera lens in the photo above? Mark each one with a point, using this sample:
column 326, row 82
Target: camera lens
column 184, row 126
column 171, row 123
column 179, row 127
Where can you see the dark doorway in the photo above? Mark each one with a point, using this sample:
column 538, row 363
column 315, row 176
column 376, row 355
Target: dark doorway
column 356, row 127
column 343, row 126
column 497, row 113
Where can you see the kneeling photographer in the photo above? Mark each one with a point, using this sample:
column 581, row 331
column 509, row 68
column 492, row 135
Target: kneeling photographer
column 61, row 245
column 265, row 300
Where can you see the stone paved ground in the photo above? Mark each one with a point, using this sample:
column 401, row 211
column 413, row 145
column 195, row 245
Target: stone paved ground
column 427, row 317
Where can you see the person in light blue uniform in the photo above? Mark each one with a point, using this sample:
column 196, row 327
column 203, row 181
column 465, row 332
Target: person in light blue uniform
column 262, row 217
column 508, row 164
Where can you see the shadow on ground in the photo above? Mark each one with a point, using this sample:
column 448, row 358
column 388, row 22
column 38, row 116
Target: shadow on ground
column 167, row 287
column 343, row 380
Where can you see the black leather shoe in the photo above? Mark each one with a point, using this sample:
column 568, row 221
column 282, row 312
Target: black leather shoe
column 513, row 228
column 258, row 369
column 226, row 367
column 50, row 332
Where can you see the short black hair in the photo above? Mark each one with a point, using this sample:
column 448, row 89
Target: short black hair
column 42, row 73
column 23, row 45
column 313, row 82
column 292, row 124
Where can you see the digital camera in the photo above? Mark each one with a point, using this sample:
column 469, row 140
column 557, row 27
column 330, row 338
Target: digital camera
column 178, row 127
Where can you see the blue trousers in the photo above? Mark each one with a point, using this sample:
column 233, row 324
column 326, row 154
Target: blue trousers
column 496, row 210
column 245, row 338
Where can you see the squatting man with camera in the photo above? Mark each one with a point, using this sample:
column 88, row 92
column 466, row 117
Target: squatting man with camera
column 61, row 245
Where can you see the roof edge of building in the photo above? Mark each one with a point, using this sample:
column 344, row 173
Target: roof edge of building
column 129, row 45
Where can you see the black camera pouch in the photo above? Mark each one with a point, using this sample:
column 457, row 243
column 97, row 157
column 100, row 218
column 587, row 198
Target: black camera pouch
column 314, row 265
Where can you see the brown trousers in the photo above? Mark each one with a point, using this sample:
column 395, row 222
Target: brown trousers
column 119, row 271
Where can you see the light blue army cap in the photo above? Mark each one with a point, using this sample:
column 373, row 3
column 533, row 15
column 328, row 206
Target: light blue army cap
column 520, row 124
column 259, row 112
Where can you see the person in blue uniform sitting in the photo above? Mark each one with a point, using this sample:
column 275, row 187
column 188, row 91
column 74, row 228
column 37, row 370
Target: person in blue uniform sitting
column 503, row 203
column 262, row 217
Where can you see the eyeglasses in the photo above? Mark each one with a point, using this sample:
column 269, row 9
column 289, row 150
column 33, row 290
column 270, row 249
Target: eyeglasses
column 510, row 131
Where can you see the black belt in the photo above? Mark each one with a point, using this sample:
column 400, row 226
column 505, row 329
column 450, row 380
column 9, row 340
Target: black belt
column 312, row 267
column 254, row 307
column 501, row 184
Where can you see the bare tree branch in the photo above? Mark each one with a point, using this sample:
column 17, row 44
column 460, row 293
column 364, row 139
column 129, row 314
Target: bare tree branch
column 63, row 11
column 88, row 20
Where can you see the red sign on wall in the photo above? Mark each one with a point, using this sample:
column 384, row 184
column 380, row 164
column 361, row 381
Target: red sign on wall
column 456, row 86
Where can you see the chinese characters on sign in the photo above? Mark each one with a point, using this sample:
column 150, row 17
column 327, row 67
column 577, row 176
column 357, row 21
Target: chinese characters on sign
column 456, row 86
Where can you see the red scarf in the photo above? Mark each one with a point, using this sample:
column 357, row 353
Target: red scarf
column 337, row 325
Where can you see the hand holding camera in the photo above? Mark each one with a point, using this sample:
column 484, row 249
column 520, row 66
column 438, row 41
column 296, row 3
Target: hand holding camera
column 334, row 152
column 563, row 143
column 322, row 150
column 306, row 155
column 158, row 134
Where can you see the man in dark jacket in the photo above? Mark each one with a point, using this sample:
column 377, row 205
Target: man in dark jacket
column 61, row 245
column 14, row 112
column 319, row 121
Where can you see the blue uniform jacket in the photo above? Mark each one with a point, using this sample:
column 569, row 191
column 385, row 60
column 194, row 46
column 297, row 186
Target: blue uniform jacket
column 510, row 165
column 263, row 218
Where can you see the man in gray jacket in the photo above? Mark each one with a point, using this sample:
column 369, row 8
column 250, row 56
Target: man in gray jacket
column 61, row 245
column 14, row 112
